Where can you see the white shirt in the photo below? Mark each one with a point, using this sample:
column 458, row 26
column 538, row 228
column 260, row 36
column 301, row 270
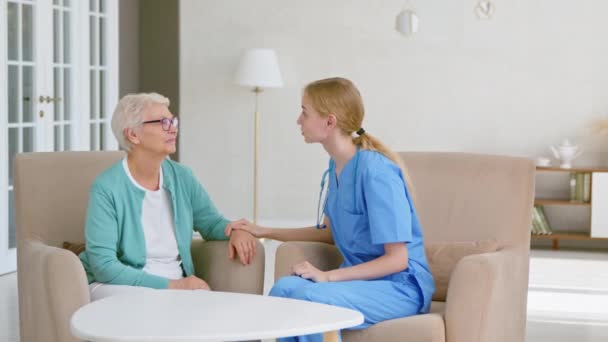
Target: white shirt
column 162, row 255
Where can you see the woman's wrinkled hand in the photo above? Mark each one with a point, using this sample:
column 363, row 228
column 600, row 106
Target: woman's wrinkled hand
column 189, row 283
column 242, row 244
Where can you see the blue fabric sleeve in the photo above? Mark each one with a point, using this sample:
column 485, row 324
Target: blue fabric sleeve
column 388, row 207
column 101, row 234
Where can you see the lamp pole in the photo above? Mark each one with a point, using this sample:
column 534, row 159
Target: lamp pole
column 256, row 142
column 258, row 69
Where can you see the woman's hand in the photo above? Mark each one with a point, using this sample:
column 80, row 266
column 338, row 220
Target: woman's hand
column 245, row 225
column 243, row 244
column 189, row 283
column 307, row 271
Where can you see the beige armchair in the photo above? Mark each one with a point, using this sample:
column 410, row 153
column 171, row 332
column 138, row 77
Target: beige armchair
column 461, row 198
column 51, row 198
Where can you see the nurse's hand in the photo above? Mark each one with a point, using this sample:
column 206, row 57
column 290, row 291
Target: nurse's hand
column 307, row 271
column 230, row 226
column 246, row 226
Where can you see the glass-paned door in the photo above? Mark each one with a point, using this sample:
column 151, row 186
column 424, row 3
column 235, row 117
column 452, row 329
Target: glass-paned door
column 63, row 70
column 20, row 127
column 47, row 89
column 100, row 74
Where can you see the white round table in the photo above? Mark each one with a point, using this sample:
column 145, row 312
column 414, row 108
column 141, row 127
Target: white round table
column 174, row 315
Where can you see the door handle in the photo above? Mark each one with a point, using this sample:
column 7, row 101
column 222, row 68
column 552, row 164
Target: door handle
column 48, row 99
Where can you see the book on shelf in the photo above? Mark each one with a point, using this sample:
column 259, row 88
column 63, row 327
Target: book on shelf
column 540, row 224
column 587, row 187
column 534, row 228
column 580, row 186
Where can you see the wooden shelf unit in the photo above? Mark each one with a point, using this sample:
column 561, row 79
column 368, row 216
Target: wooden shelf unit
column 556, row 236
column 574, row 169
column 548, row 201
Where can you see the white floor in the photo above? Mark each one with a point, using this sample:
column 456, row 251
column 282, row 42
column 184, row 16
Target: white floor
column 568, row 296
column 567, row 301
column 9, row 320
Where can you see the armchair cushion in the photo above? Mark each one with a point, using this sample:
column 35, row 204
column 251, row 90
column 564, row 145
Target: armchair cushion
column 74, row 247
column 420, row 328
column 212, row 264
column 443, row 257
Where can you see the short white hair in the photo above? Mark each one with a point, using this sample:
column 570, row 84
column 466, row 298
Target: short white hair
column 129, row 114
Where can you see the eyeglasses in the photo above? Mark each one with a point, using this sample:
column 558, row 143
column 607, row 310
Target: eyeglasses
column 165, row 123
column 321, row 211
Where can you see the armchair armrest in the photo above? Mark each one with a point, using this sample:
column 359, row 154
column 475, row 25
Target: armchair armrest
column 324, row 256
column 211, row 263
column 486, row 299
column 52, row 286
column 68, row 289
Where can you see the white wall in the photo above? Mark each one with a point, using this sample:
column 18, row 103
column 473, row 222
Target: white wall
column 534, row 74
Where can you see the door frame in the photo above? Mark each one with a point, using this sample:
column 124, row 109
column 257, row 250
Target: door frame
column 8, row 257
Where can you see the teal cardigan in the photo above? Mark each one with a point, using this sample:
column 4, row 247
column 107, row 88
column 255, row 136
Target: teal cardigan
column 115, row 246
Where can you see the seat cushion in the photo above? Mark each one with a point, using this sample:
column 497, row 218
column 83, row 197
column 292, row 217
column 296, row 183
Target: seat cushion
column 419, row 328
column 443, row 257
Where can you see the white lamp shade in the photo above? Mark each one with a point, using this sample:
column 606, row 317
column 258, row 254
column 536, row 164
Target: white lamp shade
column 259, row 68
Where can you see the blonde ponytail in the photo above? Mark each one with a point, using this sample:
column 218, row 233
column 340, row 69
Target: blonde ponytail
column 371, row 143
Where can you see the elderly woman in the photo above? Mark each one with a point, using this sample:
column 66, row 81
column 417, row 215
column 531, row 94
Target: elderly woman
column 142, row 210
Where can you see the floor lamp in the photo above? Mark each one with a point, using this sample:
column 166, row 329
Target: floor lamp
column 258, row 69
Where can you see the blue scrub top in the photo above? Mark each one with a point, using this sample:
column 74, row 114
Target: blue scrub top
column 369, row 205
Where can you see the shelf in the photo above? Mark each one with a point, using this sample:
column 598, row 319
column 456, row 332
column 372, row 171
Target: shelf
column 574, row 169
column 548, row 201
column 556, row 236
column 596, row 187
column 564, row 236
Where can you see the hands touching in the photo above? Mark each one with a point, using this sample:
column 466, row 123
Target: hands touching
column 307, row 271
column 189, row 283
column 241, row 242
column 246, row 226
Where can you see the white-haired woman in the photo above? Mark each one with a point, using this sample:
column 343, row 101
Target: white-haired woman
column 142, row 210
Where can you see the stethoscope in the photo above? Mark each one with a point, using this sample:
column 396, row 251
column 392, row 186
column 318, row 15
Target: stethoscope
column 321, row 212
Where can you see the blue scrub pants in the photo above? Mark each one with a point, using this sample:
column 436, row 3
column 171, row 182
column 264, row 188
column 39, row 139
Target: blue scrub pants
column 377, row 300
